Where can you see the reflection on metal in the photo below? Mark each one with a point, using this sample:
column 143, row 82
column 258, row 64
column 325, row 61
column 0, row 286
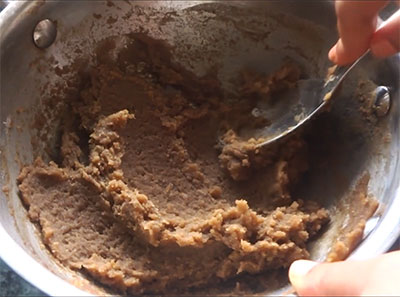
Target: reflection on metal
column 382, row 101
column 45, row 33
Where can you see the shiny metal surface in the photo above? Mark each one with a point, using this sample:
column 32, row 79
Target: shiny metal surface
column 312, row 96
column 44, row 33
column 228, row 34
column 382, row 101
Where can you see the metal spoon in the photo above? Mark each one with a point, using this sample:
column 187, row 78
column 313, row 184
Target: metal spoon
column 299, row 105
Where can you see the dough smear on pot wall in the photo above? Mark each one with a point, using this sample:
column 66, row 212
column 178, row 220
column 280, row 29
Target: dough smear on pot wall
column 153, row 191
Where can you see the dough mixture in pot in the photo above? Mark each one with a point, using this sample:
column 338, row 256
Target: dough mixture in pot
column 153, row 191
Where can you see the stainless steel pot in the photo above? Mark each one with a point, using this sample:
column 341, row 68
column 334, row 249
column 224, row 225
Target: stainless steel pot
column 230, row 35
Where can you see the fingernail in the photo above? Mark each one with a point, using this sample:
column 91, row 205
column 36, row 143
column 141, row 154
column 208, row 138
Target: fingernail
column 298, row 270
column 383, row 48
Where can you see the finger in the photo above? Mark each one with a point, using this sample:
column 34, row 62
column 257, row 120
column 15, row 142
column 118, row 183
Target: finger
column 386, row 40
column 357, row 21
column 349, row 278
column 330, row 279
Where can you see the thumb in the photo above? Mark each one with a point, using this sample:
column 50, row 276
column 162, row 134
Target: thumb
column 378, row 276
column 386, row 40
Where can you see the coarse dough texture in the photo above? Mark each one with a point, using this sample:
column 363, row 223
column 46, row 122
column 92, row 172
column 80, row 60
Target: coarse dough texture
column 144, row 199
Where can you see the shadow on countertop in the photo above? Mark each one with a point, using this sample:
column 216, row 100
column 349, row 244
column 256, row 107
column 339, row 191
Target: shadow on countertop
column 11, row 284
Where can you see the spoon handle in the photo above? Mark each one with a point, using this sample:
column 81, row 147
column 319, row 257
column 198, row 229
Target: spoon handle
column 335, row 78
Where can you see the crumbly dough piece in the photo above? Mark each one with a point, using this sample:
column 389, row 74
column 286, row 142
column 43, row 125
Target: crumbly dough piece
column 362, row 207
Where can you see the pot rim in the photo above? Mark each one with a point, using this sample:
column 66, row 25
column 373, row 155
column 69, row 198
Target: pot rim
column 32, row 271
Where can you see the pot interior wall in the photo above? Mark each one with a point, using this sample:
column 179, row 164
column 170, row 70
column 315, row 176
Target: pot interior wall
column 203, row 37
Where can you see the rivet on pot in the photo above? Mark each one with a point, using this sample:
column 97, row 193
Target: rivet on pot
column 382, row 101
column 44, row 33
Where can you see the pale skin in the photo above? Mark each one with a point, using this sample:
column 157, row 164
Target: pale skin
column 380, row 276
column 375, row 277
column 357, row 26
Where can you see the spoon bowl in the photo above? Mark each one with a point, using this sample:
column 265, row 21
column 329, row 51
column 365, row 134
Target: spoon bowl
column 298, row 106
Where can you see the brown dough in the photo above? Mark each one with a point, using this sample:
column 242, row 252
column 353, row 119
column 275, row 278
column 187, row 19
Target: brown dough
column 156, row 206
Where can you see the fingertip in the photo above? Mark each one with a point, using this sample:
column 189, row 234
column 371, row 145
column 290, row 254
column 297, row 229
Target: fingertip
column 332, row 55
column 298, row 271
column 341, row 55
column 338, row 54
